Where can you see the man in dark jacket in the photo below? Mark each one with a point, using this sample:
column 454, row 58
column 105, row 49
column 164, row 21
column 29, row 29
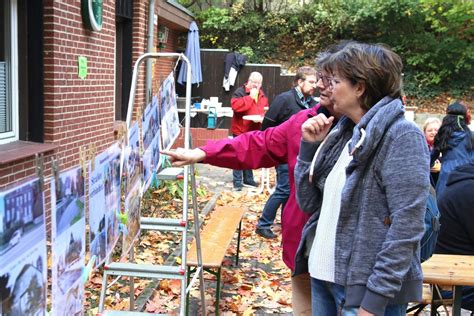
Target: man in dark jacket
column 456, row 236
column 298, row 98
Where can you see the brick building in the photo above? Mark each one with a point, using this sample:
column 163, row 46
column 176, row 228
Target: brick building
column 45, row 108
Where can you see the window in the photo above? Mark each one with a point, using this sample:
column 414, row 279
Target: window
column 8, row 72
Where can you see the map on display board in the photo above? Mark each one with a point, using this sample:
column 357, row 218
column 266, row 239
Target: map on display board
column 23, row 263
column 169, row 112
column 151, row 142
column 68, row 242
column 104, row 203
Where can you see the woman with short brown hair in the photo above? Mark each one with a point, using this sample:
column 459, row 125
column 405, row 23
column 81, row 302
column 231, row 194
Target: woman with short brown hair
column 365, row 184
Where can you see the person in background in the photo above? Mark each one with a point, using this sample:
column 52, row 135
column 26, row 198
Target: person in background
column 247, row 100
column 456, row 236
column 269, row 148
column 365, row 184
column 454, row 142
column 298, row 98
column 430, row 129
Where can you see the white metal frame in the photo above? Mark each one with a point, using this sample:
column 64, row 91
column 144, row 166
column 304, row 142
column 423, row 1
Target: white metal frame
column 189, row 175
column 12, row 68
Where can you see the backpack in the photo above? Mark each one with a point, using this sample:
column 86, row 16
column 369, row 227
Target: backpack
column 432, row 226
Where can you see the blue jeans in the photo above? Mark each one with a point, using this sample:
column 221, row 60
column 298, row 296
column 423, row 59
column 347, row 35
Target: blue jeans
column 279, row 197
column 327, row 299
column 237, row 176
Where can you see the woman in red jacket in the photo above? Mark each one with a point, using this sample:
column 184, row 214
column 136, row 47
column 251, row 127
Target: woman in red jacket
column 265, row 149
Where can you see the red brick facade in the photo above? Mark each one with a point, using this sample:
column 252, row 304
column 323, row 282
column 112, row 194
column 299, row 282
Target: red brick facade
column 78, row 112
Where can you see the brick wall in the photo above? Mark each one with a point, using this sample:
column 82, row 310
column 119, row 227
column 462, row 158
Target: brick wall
column 80, row 112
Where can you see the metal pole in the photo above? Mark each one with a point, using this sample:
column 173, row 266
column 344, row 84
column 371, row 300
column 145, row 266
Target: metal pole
column 151, row 31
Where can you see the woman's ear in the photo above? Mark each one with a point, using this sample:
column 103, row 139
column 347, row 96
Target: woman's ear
column 360, row 89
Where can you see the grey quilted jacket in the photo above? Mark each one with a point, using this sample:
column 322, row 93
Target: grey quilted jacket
column 382, row 205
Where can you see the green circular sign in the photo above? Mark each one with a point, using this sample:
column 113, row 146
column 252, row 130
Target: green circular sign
column 92, row 14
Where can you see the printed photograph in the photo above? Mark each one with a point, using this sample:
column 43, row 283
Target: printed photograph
column 132, row 158
column 97, row 210
column 68, row 200
column 169, row 113
column 151, row 162
column 104, row 202
column 21, row 218
column 150, row 123
column 132, row 211
column 23, row 282
column 68, row 260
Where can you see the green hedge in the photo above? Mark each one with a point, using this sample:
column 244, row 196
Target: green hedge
column 434, row 37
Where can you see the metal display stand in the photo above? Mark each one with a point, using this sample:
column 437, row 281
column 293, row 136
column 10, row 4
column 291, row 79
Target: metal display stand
column 134, row 270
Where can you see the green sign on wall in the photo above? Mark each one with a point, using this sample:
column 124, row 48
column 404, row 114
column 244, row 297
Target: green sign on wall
column 92, row 14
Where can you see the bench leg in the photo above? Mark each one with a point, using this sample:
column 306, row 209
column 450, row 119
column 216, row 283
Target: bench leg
column 218, row 290
column 457, row 299
column 238, row 245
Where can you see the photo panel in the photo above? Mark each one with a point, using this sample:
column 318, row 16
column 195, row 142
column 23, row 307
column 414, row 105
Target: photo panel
column 23, row 262
column 132, row 158
column 68, row 242
column 104, row 203
column 132, row 214
column 169, row 113
column 151, row 162
column 113, row 196
column 67, row 200
column 68, row 263
column 150, row 123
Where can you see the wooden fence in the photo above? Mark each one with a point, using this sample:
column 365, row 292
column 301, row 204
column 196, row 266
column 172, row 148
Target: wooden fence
column 212, row 64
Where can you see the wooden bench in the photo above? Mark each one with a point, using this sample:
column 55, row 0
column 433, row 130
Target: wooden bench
column 216, row 236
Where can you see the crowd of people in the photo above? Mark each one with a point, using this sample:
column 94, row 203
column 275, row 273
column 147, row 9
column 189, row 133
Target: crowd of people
column 353, row 178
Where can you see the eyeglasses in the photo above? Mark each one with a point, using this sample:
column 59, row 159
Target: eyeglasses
column 325, row 79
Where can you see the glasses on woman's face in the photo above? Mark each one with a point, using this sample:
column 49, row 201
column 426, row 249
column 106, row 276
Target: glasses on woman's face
column 324, row 79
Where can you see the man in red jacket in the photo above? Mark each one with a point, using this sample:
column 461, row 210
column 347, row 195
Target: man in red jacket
column 247, row 100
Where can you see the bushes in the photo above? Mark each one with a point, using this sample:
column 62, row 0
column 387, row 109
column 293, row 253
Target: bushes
column 434, row 37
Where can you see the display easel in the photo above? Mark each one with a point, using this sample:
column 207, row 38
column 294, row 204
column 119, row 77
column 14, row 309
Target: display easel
column 134, row 270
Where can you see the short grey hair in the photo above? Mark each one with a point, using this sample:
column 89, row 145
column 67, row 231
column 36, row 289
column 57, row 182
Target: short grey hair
column 256, row 75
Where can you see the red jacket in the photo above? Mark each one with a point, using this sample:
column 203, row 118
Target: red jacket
column 242, row 104
column 264, row 149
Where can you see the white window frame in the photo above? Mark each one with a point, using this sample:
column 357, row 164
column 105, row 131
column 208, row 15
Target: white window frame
column 11, row 44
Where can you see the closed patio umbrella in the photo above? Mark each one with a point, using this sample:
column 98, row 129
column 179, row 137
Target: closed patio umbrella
column 193, row 52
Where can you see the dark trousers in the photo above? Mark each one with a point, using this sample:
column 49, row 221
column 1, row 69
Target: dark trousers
column 278, row 197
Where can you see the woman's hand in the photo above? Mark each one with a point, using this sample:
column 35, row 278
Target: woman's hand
column 436, row 167
column 182, row 157
column 316, row 128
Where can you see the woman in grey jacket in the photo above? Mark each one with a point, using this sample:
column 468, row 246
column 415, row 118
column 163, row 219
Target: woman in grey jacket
column 366, row 184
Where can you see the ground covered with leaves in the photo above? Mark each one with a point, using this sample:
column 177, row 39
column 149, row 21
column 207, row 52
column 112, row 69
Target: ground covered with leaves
column 260, row 284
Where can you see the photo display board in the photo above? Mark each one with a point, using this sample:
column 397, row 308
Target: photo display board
column 151, row 142
column 169, row 112
column 68, row 242
column 132, row 159
column 104, row 203
column 132, row 215
column 23, row 263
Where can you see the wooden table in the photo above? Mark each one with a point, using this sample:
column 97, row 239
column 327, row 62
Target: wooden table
column 451, row 270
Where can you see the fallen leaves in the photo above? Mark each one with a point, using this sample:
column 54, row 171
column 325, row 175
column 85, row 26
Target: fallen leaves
column 260, row 284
